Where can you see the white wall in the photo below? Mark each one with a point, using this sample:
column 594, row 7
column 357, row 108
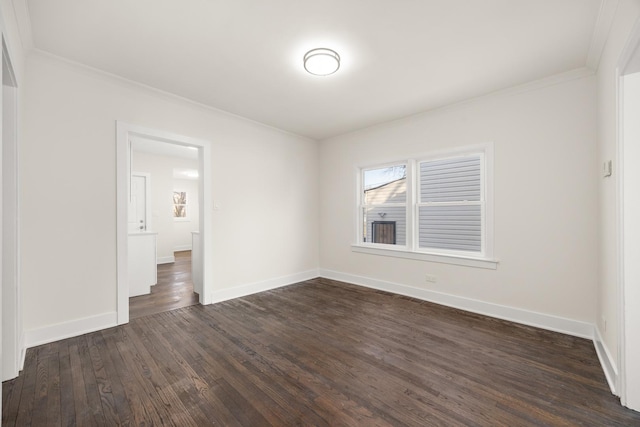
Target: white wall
column 172, row 235
column 69, row 224
column 545, row 197
column 627, row 13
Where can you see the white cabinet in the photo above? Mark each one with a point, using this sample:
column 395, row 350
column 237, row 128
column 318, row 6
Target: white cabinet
column 196, row 263
column 143, row 271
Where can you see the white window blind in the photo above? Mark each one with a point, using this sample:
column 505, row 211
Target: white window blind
column 451, row 204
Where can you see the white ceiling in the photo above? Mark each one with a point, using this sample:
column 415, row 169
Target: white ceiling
column 398, row 57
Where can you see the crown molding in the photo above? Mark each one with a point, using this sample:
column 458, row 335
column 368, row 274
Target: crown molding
column 561, row 78
column 37, row 54
column 605, row 18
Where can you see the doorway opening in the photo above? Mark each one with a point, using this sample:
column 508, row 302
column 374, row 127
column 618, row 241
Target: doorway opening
column 163, row 206
column 146, row 253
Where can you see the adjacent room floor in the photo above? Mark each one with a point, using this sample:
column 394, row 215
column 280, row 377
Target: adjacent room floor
column 173, row 290
column 317, row 353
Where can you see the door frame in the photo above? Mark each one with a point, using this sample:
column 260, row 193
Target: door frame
column 628, row 218
column 12, row 341
column 124, row 133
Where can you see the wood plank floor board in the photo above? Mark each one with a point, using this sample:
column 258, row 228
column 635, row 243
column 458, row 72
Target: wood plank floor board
column 41, row 390
column 320, row 353
column 67, row 397
column 27, row 391
column 53, row 410
column 91, row 388
column 107, row 378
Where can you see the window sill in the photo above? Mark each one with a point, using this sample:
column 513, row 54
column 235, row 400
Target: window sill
column 490, row 264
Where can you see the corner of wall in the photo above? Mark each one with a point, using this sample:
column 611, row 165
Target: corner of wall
column 606, row 360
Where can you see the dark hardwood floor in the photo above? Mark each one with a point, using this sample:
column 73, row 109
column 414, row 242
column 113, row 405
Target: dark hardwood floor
column 173, row 290
column 320, row 353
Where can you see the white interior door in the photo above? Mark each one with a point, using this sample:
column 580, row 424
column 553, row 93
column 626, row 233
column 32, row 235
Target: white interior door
column 138, row 203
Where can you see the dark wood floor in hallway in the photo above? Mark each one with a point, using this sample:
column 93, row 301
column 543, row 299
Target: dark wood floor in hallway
column 320, row 353
column 173, row 290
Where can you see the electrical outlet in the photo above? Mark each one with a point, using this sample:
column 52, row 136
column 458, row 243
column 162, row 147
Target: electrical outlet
column 430, row 278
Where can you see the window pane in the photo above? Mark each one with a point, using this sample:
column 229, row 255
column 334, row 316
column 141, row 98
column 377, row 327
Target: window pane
column 451, row 227
column 385, row 185
column 179, row 197
column 383, row 224
column 450, row 180
column 179, row 211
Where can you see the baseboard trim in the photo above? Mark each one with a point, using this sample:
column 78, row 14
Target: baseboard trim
column 74, row 328
column 165, row 259
column 608, row 364
column 266, row 285
column 525, row 317
column 182, row 248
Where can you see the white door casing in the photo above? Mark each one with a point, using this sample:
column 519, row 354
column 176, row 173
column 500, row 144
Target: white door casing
column 124, row 132
column 628, row 208
column 11, row 304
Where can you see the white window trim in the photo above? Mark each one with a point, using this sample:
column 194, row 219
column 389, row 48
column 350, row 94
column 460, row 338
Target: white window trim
column 484, row 259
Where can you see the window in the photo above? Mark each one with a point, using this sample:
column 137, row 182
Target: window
column 429, row 206
column 450, row 204
column 384, row 197
column 180, row 205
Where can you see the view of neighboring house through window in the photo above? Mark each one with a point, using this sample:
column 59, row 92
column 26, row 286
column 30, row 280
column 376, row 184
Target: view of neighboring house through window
column 436, row 204
column 384, row 204
column 450, row 205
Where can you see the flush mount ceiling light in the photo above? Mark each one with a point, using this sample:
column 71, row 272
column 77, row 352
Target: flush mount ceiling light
column 321, row 62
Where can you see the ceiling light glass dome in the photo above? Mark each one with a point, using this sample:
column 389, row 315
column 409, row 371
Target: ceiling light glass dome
column 321, row 62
